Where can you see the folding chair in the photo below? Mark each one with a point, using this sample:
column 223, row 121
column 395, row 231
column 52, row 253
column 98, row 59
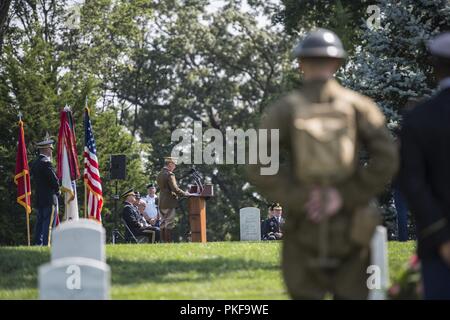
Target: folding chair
column 140, row 239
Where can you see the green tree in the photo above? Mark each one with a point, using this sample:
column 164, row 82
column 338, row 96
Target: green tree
column 342, row 16
column 218, row 68
column 4, row 13
column 391, row 63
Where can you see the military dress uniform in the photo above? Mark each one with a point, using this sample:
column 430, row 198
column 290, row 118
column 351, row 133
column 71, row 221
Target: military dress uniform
column 46, row 187
column 271, row 227
column 342, row 269
column 425, row 175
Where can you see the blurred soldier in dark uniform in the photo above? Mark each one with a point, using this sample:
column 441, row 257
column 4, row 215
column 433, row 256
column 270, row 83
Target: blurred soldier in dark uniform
column 133, row 218
column 168, row 198
column 271, row 228
column 324, row 188
column 46, row 188
column 425, row 174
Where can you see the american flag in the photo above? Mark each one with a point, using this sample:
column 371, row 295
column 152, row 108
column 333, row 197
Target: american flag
column 92, row 181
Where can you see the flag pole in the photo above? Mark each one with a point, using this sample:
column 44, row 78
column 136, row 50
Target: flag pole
column 26, row 210
column 26, row 190
column 84, row 181
column 85, row 200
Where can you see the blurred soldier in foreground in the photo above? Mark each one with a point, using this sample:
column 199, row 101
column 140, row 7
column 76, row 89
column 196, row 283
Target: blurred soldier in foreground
column 425, row 174
column 46, row 189
column 325, row 190
column 168, row 198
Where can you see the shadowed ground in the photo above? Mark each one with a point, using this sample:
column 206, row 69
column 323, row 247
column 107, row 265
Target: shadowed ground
column 217, row 270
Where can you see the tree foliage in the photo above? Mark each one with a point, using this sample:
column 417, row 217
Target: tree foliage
column 342, row 16
column 391, row 63
column 219, row 69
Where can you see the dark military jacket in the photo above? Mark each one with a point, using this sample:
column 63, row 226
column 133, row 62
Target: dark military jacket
column 425, row 173
column 132, row 218
column 169, row 190
column 271, row 226
column 45, row 182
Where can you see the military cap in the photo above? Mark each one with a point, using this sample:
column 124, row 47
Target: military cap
column 440, row 45
column 320, row 43
column 276, row 206
column 127, row 193
column 46, row 143
column 150, row 185
column 170, row 159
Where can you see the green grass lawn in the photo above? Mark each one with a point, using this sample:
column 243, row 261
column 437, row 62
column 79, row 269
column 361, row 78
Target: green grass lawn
column 217, row 270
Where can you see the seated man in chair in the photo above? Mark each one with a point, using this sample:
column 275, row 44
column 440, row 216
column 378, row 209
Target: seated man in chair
column 141, row 205
column 135, row 227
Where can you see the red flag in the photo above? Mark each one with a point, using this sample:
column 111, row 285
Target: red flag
column 22, row 177
column 67, row 164
column 66, row 137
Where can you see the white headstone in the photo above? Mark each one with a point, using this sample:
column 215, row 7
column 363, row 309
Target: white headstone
column 74, row 279
column 81, row 238
column 250, row 224
column 379, row 263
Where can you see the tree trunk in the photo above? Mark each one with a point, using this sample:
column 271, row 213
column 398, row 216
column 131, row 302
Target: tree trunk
column 4, row 10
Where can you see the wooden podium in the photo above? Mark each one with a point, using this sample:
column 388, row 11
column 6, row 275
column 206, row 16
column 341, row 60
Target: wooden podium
column 197, row 212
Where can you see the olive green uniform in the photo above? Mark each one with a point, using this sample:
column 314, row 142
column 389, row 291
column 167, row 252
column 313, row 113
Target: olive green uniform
column 302, row 245
column 168, row 197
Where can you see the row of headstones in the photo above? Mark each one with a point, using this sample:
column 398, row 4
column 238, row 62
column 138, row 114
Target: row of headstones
column 250, row 230
column 78, row 269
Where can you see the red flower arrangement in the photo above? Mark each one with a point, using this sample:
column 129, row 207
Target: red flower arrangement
column 409, row 285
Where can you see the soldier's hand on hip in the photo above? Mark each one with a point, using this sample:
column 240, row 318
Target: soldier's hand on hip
column 322, row 203
column 313, row 206
column 332, row 202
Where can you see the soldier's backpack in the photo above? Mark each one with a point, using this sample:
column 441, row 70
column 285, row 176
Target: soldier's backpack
column 323, row 140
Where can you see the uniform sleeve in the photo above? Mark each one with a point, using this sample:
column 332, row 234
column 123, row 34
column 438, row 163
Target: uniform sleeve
column 433, row 227
column 130, row 218
column 281, row 186
column 174, row 187
column 263, row 229
column 371, row 179
column 50, row 176
column 157, row 206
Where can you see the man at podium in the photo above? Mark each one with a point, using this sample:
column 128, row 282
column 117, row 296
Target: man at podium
column 168, row 197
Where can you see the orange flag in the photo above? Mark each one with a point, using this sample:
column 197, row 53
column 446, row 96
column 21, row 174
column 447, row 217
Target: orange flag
column 22, row 177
